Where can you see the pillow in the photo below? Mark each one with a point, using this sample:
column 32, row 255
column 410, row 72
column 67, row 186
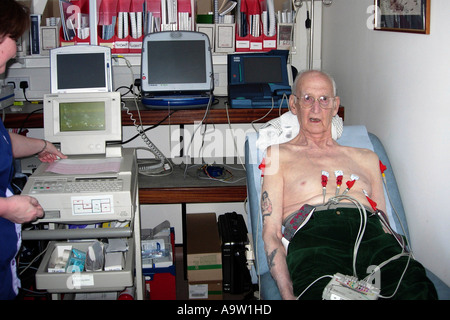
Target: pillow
column 286, row 127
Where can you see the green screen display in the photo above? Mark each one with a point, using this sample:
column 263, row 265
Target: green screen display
column 82, row 116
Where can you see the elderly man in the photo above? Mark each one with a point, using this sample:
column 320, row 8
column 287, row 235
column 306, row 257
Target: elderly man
column 299, row 177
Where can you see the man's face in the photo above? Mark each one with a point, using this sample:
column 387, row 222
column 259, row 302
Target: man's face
column 314, row 119
column 8, row 51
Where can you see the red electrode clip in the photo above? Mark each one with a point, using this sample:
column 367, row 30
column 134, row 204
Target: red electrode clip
column 339, row 175
column 262, row 167
column 373, row 204
column 351, row 182
column 382, row 168
column 325, row 176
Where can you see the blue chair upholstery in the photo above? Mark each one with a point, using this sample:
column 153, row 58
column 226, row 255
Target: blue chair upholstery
column 356, row 136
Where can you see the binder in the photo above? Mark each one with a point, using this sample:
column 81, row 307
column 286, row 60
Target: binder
column 251, row 23
column 35, row 34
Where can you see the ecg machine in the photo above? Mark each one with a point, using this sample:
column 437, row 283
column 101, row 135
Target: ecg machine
column 96, row 183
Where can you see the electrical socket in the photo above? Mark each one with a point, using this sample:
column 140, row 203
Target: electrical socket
column 15, row 81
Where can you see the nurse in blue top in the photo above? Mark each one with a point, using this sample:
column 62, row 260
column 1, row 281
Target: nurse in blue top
column 15, row 209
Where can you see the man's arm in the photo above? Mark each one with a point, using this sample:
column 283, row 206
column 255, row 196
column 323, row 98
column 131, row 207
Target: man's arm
column 272, row 215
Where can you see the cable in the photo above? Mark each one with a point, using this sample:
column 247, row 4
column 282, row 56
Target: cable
column 35, row 258
column 320, row 278
column 362, row 224
column 195, row 130
column 361, row 231
column 392, row 204
column 26, row 119
column 149, row 128
column 401, row 277
column 234, row 141
column 145, row 168
column 151, row 147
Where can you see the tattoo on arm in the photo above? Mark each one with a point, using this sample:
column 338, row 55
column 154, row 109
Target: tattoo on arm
column 271, row 257
column 266, row 210
column 266, row 205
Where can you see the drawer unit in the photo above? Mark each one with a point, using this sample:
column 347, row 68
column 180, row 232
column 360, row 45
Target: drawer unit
column 86, row 281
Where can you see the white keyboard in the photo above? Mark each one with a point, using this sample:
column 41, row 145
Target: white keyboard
column 77, row 185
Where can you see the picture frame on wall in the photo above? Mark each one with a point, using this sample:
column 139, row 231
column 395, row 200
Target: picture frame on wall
column 403, row 16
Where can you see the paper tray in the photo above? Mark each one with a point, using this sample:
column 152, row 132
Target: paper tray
column 87, row 281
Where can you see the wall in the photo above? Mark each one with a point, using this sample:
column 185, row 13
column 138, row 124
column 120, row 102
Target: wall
column 398, row 85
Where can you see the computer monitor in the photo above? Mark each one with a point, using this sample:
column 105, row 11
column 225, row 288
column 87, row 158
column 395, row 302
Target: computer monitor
column 176, row 62
column 259, row 80
column 83, row 124
column 269, row 67
column 80, row 68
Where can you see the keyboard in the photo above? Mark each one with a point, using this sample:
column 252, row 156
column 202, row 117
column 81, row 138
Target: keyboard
column 77, row 186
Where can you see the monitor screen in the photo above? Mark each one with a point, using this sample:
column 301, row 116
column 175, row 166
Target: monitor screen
column 83, row 123
column 259, row 67
column 80, row 68
column 176, row 61
column 82, row 116
column 263, row 69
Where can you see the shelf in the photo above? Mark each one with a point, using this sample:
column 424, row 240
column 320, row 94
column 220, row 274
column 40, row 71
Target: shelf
column 179, row 187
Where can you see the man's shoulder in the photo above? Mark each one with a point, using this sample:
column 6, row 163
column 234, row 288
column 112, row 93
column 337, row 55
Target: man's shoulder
column 362, row 154
column 362, row 151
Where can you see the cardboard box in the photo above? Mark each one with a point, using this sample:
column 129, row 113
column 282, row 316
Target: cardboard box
column 204, row 253
column 205, row 290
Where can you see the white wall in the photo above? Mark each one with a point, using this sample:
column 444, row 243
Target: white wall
column 398, row 85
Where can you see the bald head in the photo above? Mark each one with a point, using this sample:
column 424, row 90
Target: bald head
column 296, row 86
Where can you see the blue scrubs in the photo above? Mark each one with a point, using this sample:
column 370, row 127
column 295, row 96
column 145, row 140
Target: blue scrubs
column 10, row 236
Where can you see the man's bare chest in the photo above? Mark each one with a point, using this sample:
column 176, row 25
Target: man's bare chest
column 306, row 175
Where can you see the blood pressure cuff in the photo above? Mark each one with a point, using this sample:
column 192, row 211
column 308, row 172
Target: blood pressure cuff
column 325, row 245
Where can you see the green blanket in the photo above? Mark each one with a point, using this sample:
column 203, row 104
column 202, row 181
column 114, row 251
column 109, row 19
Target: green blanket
column 324, row 246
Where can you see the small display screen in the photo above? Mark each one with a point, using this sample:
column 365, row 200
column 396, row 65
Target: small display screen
column 82, row 70
column 82, row 116
column 176, row 62
column 263, row 70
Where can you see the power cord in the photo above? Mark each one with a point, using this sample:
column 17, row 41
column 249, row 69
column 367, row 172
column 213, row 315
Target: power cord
column 24, row 85
column 163, row 165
